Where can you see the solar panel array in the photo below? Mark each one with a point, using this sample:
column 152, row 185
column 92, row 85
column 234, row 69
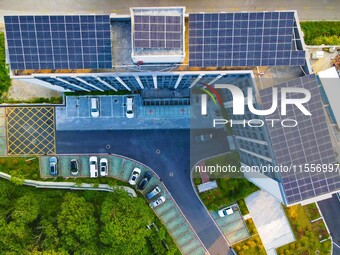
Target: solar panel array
column 158, row 31
column 243, row 39
column 307, row 143
column 59, row 42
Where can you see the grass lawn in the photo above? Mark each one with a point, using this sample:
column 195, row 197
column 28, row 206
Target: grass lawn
column 307, row 234
column 321, row 32
column 230, row 189
column 21, row 168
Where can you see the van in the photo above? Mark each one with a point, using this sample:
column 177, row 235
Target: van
column 93, row 167
column 129, row 107
column 94, row 107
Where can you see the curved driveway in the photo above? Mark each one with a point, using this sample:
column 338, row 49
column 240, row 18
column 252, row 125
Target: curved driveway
column 172, row 164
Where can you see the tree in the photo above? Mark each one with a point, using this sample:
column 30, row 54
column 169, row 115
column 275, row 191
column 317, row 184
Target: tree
column 26, row 209
column 125, row 220
column 77, row 225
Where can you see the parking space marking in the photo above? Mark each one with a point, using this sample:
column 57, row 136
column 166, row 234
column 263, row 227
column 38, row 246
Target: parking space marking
column 30, row 130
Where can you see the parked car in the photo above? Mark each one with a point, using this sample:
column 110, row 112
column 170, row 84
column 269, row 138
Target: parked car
column 93, row 167
column 134, row 176
column 103, row 166
column 74, row 167
column 53, row 166
column 204, row 137
column 129, row 107
column 158, row 201
column 94, row 107
column 146, row 178
column 225, row 211
column 156, row 190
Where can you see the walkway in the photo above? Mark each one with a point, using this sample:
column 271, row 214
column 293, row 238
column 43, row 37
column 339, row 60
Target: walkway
column 3, row 138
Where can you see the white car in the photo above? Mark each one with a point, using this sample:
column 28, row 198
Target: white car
column 93, row 167
column 134, row 176
column 129, row 107
column 225, row 211
column 94, row 107
column 158, row 201
column 156, row 190
column 103, row 166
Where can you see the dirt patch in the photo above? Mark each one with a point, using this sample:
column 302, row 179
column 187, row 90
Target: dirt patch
column 21, row 90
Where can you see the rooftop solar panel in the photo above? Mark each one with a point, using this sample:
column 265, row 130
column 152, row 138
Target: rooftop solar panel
column 307, row 143
column 59, row 42
column 158, row 31
column 261, row 39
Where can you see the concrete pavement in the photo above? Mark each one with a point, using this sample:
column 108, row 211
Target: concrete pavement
column 307, row 9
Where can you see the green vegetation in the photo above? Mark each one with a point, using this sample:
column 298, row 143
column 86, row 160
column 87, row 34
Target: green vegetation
column 232, row 188
column 251, row 227
column 36, row 100
column 312, row 211
column 5, row 81
column 251, row 246
column 34, row 221
column 321, row 32
column 308, row 235
column 20, row 169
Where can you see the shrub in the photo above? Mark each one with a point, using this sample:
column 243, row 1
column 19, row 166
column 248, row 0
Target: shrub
column 15, row 162
column 34, row 176
column 2, row 161
column 29, row 162
column 292, row 246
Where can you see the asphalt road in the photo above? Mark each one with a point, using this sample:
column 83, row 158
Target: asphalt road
column 330, row 209
column 307, row 9
column 172, row 164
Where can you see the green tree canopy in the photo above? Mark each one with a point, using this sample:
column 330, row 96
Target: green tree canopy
column 125, row 222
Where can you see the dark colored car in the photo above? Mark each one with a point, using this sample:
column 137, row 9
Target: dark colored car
column 146, row 178
column 74, row 167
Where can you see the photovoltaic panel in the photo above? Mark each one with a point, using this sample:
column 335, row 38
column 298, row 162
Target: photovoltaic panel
column 243, row 39
column 307, row 143
column 59, row 42
column 158, row 31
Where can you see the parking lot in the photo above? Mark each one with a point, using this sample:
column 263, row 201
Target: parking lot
column 232, row 226
column 30, row 130
column 120, row 168
column 76, row 114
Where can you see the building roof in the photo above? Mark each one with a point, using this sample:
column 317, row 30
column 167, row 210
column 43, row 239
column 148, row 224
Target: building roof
column 244, row 39
column 307, row 143
column 59, row 42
